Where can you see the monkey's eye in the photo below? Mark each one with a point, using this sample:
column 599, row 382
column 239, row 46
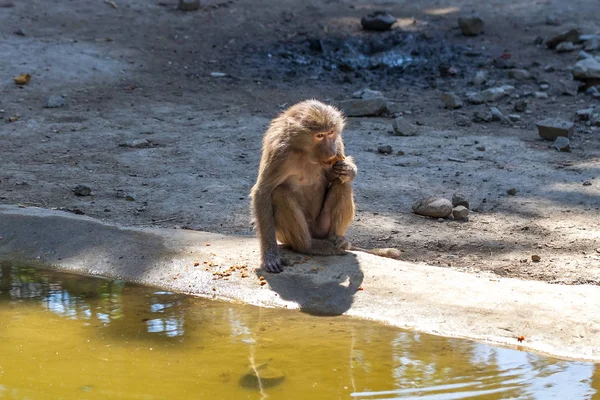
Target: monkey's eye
column 320, row 135
column 330, row 133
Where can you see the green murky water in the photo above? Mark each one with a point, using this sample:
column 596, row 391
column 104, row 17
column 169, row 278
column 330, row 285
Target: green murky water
column 70, row 337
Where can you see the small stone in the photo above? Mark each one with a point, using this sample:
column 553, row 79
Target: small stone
column 460, row 213
column 562, row 144
column 552, row 20
column 480, row 78
column 587, row 69
column 496, row 114
column 518, row 74
column 19, row 32
column 55, row 101
column 520, row 106
column 435, row 207
column 136, row 144
column 475, row 98
column 585, row 114
column 593, row 91
column 544, row 86
column 565, row 47
column 493, row 94
column 568, row 88
column 549, row 68
column 378, row 21
column 551, row 128
column 538, row 40
column 541, row 95
column 363, row 107
column 470, row 26
column 459, row 199
column 218, row 74
column 451, row 100
column 482, row 116
column 511, row 192
column 583, row 55
column 536, row 258
column 462, row 120
column 385, row 149
column 368, row 94
column 480, row 148
column 403, row 128
column 189, row 5
column 592, row 45
column 82, row 190
column 588, row 183
column 514, row 117
column 569, row 36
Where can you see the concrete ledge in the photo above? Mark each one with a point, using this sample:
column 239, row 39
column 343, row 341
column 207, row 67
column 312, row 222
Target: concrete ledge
column 562, row 321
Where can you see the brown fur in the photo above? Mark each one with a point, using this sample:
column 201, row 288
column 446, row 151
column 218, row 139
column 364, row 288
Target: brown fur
column 303, row 195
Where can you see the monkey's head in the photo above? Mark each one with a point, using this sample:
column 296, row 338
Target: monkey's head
column 317, row 128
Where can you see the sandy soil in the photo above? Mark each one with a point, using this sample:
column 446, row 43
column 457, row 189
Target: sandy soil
column 143, row 71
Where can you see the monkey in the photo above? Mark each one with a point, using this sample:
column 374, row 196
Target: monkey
column 303, row 195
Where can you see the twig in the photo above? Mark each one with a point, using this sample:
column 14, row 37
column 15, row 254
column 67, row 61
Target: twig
column 111, row 3
column 456, row 160
column 157, row 221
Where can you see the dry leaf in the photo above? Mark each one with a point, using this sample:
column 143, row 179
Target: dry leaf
column 22, row 79
column 520, row 338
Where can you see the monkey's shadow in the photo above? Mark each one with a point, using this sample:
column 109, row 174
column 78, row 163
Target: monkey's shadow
column 322, row 286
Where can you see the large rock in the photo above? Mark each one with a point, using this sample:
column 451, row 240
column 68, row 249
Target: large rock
column 363, row 107
column 403, row 128
column 460, row 213
column 562, row 144
column 459, row 199
column 451, row 100
column 368, row 94
column 569, row 36
column 475, row 98
column 470, row 26
column 587, row 69
column 565, row 47
column 552, row 128
column 493, row 94
column 436, row 207
column 378, row 21
column 518, row 74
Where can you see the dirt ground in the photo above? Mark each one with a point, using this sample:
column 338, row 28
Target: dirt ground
column 142, row 70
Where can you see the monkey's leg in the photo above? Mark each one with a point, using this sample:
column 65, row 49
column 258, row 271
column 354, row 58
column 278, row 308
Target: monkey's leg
column 292, row 228
column 337, row 214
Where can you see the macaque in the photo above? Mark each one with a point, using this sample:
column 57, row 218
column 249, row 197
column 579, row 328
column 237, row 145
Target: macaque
column 303, row 194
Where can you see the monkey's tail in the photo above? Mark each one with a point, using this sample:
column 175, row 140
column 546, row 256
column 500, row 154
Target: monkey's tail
column 387, row 252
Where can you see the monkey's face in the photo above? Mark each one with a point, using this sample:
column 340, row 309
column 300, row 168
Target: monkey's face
column 326, row 145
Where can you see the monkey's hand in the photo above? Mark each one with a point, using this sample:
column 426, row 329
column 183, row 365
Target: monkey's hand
column 345, row 170
column 272, row 262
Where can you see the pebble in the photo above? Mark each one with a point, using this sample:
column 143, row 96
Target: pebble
column 470, row 26
column 541, row 95
column 385, row 149
column 551, row 128
column 496, row 114
column 55, row 101
column 480, row 78
column 512, row 192
column 378, row 21
column 482, row 116
column 403, row 128
column 462, row 120
column 520, row 106
column 136, row 144
column 536, row 258
column 451, row 100
column 459, row 199
column 584, row 114
column 493, row 94
column 189, row 5
column 518, row 74
column 544, row 86
column 538, row 40
column 571, row 35
column 552, row 20
column 363, row 107
column 460, row 213
column 562, row 144
column 514, row 117
column 582, row 55
column 480, row 148
column 593, row 91
column 218, row 74
column 549, row 68
column 82, row 190
column 565, row 47
column 588, row 183
column 368, row 94
column 569, row 88
column 587, row 69
column 592, row 45
column 475, row 98
column 436, row 207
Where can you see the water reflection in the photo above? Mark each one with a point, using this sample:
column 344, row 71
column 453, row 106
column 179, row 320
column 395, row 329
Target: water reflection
column 142, row 342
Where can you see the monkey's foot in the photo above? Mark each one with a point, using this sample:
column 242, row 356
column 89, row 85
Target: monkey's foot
column 340, row 242
column 273, row 264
